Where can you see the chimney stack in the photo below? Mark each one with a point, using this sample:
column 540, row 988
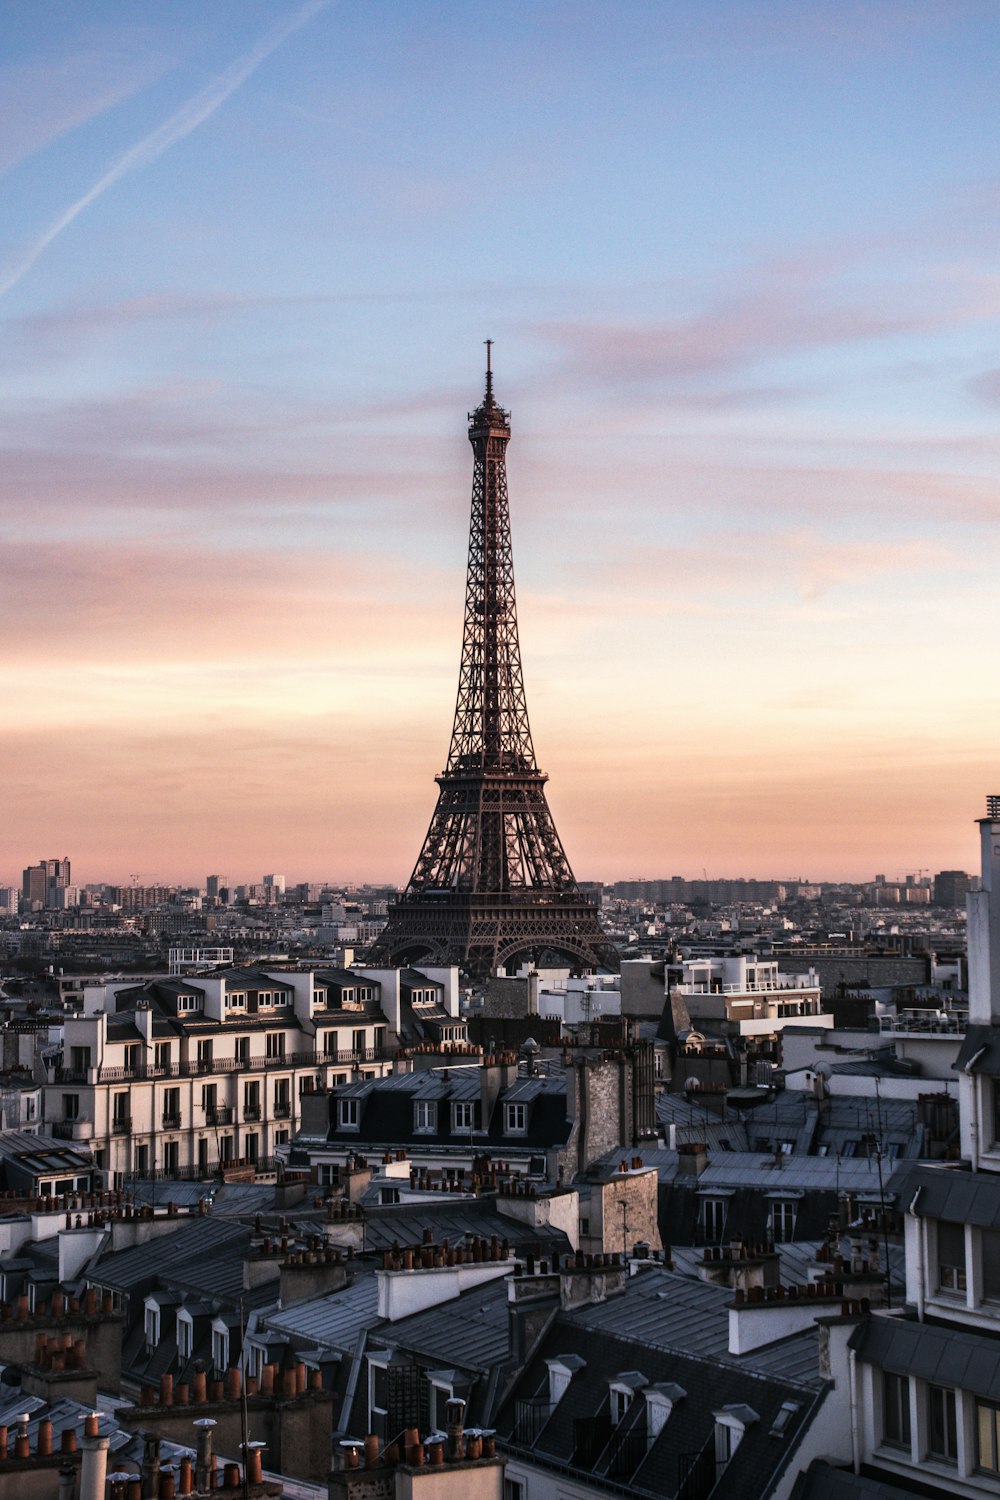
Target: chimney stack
column 94, row 1465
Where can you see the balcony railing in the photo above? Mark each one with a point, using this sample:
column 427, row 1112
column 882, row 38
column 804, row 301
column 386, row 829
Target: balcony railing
column 218, row 1114
column 121, row 1124
column 530, row 1416
column 251, row 1112
column 171, row 1121
column 72, row 1130
column 282, row 1110
column 926, row 1022
column 198, row 1067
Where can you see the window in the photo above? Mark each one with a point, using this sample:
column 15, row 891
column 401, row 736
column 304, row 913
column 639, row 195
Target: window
column 951, row 1256
column 251, row 1100
column 995, row 1090
column 329, row 1044
column 425, row 1115
column 187, row 1003
column 209, row 1098
column 220, row 1349
column 236, row 1002
column 714, row 1219
column 359, row 1042
column 896, row 1409
column 516, row 1117
column 185, row 1337
column 620, row 1401
column 347, row 1113
column 79, row 1059
column 281, row 1137
column 141, row 1161
column 133, row 1056
column 274, row 1044
column 71, row 1106
column 463, row 1116
column 170, row 1156
column 988, row 1436
column 989, row 1250
column 120, row 1114
column 513, row 1489
column 439, row 1396
column 163, row 1056
column 152, row 1325
column 205, row 1052
column 783, row 1220
column 378, row 1398
column 264, row 1000
column 241, row 1049
column 281, row 1098
column 171, row 1108
column 942, row 1427
column 251, row 1146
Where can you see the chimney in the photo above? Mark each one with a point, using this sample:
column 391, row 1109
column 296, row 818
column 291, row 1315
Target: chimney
column 94, row 1466
column 533, row 987
column 454, row 1418
column 204, row 1473
column 144, row 1021
column 498, row 1071
column 150, row 1470
column 692, row 1158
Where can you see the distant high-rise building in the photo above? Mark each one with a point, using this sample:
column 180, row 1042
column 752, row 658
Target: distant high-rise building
column 277, row 881
column 951, row 888
column 39, row 883
column 215, row 885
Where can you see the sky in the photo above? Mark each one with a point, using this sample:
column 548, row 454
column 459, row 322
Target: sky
column 739, row 263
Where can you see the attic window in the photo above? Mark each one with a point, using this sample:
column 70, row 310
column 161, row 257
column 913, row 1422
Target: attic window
column 348, row 1114
column 516, row 1119
column 786, row 1412
column 731, row 1423
column 237, row 1002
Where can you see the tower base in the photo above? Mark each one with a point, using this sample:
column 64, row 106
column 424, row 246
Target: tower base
column 482, row 934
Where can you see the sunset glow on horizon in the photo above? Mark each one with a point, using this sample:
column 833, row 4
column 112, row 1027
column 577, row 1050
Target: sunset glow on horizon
column 739, row 265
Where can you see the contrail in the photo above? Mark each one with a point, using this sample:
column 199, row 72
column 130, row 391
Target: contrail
column 181, row 123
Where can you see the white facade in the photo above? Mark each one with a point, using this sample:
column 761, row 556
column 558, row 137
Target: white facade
column 219, row 1081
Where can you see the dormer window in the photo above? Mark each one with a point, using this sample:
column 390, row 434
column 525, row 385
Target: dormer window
column 185, row 1335
column 237, row 1001
column 515, row 1119
column 347, row 1113
column 152, row 1322
column 463, row 1116
column 622, row 1392
column 731, row 1423
column 561, row 1372
column 425, row 1115
column 188, row 1003
column 660, row 1402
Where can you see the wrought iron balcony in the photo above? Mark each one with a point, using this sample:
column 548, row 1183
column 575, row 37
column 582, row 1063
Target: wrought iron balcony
column 218, row 1114
column 282, row 1110
column 121, row 1124
column 251, row 1112
column 171, row 1121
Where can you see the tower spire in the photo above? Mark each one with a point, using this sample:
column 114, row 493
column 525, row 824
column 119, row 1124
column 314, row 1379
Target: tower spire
column 492, row 881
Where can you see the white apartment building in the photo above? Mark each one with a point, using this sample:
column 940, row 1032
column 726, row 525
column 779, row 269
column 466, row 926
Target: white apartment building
column 750, row 994
column 179, row 1075
column 927, row 1376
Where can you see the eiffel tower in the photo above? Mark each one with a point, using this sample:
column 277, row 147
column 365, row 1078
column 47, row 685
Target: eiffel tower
column 492, row 882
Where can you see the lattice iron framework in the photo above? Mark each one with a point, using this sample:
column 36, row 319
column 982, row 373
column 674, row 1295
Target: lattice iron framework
column 492, row 880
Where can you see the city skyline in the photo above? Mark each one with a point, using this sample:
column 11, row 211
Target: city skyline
column 738, row 264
